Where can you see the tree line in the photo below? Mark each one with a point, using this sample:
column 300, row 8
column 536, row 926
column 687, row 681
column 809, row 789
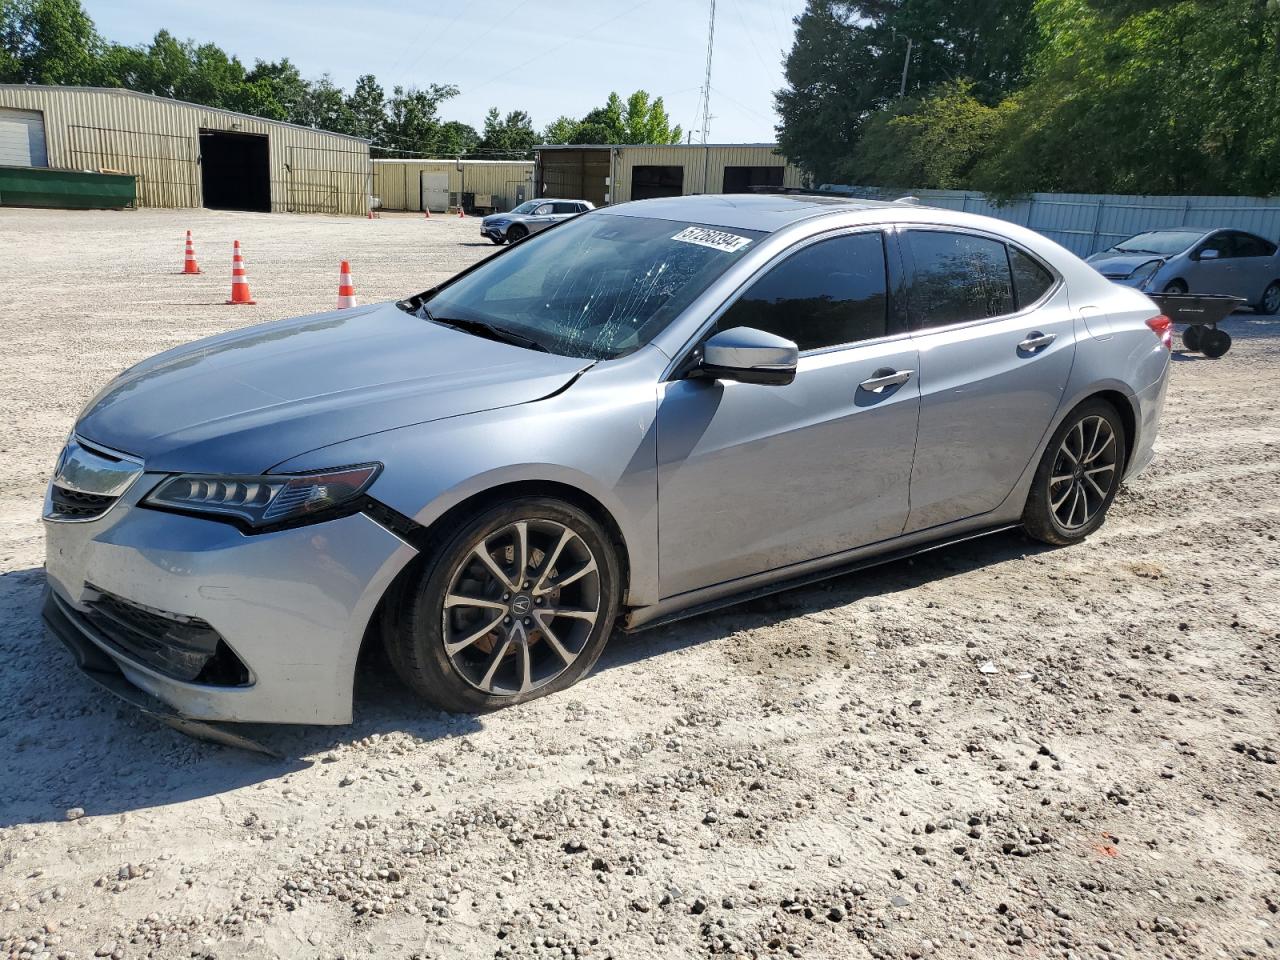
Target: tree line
column 1015, row 96
column 56, row 42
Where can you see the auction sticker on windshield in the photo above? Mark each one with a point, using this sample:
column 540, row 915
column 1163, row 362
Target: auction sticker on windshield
column 715, row 239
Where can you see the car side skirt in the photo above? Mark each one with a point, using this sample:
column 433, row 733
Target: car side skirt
column 708, row 599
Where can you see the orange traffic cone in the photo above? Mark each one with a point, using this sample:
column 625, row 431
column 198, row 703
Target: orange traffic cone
column 189, row 264
column 461, row 213
column 426, row 213
column 346, row 292
column 239, row 279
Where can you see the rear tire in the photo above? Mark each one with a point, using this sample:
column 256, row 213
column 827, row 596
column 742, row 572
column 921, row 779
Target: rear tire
column 1078, row 475
column 548, row 594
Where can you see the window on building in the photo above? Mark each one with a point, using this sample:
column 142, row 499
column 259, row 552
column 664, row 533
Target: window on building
column 650, row 182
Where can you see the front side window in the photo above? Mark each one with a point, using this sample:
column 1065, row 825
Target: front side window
column 958, row 278
column 828, row 293
column 597, row 286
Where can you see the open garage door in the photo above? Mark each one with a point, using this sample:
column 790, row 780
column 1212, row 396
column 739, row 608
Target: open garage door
column 650, row 182
column 235, row 170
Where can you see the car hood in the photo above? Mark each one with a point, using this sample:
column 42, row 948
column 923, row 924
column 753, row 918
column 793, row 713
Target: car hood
column 1121, row 264
column 245, row 401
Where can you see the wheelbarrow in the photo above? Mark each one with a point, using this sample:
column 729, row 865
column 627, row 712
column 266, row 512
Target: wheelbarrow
column 1201, row 314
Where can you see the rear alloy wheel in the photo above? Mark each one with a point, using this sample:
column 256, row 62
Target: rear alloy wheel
column 1078, row 476
column 1269, row 305
column 518, row 603
column 517, row 233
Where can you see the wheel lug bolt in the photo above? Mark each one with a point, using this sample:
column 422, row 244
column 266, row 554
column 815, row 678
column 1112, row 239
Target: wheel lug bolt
column 506, row 596
column 538, row 601
column 506, row 619
column 526, row 585
column 527, row 621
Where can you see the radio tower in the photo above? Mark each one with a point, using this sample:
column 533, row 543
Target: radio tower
column 706, row 83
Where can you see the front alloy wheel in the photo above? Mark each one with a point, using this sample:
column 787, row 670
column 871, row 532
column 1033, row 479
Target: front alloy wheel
column 1078, row 475
column 515, row 603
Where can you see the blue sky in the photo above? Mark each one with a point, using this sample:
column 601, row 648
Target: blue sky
column 548, row 57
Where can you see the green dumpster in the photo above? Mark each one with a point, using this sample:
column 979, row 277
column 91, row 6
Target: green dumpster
column 77, row 189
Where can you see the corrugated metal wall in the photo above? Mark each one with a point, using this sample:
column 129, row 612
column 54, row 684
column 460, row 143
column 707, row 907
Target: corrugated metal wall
column 703, row 166
column 397, row 182
column 1085, row 223
column 158, row 140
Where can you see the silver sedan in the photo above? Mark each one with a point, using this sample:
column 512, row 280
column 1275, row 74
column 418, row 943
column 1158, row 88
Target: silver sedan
column 650, row 410
column 530, row 217
column 1194, row 260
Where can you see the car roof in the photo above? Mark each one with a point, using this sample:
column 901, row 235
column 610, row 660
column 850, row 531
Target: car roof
column 744, row 211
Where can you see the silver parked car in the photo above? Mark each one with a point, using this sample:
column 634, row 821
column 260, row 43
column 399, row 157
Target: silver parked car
column 651, row 410
column 1194, row 260
column 530, row 217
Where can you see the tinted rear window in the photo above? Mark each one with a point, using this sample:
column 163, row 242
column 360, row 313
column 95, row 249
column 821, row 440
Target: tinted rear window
column 958, row 277
column 1030, row 280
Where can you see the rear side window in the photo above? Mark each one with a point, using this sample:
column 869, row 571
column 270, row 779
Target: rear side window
column 1247, row 245
column 957, row 278
column 1030, row 280
column 829, row 293
column 565, row 208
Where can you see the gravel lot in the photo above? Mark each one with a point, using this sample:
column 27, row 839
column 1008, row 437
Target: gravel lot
column 834, row 772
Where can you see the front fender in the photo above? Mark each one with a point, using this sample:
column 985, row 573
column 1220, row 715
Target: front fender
column 597, row 436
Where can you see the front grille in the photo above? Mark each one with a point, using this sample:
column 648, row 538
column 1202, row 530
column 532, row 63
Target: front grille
column 184, row 648
column 74, row 505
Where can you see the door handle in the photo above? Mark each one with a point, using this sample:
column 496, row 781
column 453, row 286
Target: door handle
column 1036, row 341
column 882, row 379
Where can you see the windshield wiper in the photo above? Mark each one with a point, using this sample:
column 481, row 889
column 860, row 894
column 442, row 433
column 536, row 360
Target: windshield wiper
column 489, row 330
column 1134, row 250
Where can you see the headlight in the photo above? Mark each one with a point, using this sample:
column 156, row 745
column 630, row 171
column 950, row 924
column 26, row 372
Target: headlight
column 266, row 500
column 1142, row 276
column 498, row 223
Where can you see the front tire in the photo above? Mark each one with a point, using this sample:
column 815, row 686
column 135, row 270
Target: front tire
column 498, row 241
column 516, row 233
column 517, row 602
column 1176, row 287
column 1078, row 475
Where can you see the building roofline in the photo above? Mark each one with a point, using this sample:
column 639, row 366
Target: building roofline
column 124, row 91
column 660, row 146
column 441, row 160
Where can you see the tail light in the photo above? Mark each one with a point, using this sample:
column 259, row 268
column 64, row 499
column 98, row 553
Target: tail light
column 1162, row 327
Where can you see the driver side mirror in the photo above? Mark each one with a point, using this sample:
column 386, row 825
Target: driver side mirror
column 1209, row 253
column 750, row 356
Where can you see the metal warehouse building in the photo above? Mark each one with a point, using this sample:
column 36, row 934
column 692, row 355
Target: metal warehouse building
column 612, row 174
column 438, row 185
column 182, row 154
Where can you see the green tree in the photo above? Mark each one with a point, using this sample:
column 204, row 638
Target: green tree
column 561, row 130
column 930, row 142
column 323, row 107
column 48, row 41
column 511, row 136
column 366, row 109
column 1145, row 97
column 413, row 117
column 846, row 63
column 276, row 90
column 456, row 138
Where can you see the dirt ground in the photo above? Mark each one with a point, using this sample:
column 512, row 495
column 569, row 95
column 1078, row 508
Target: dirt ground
column 834, row 772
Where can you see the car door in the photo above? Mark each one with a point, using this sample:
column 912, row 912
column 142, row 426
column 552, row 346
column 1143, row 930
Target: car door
column 1253, row 266
column 543, row 216
column 996, row 337
column 754, row 477
column 1212, row 264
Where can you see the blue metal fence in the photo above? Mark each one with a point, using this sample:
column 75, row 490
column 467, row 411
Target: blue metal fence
column 1085, row 223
